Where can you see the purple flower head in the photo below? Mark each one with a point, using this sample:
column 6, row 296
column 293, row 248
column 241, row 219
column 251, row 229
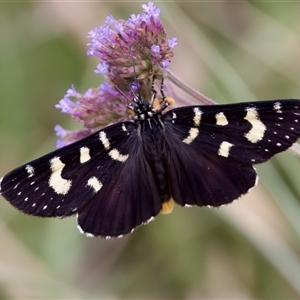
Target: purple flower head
column 94, row 109
column 140, row 41
column 131, row 52
column 67, row 137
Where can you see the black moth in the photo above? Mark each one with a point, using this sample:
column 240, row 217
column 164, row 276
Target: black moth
column 125, row 174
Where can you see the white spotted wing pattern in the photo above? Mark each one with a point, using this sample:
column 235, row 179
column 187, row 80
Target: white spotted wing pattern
column 125, row 174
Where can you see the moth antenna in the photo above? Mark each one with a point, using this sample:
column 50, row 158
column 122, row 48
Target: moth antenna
column 135, row 76
column 136, row 98
column 152, row 86
column 123, row 94
column 162, row 89
column 153, row 90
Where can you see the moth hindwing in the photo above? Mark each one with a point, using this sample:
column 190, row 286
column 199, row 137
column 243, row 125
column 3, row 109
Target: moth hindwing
column 125, row 174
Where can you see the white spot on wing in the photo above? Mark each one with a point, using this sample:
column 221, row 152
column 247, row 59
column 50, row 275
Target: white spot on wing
column 30, row 170
column 79, row 228
column 85, row 233
column 94, row 183
column 221, row 119
column 277, row 107
column 224, row 149
column 59, row 184
column 257, row 132
column 174, row 116
column 193, row 133
column 104, row 140
column 84, row 154
column 197, row 116
column 116, row 155
column 124, row 127
column 256, row 180
column 148, row 221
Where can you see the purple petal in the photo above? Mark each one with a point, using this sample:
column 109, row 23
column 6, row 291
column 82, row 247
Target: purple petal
column 165, row 63
column 66, row 105
column 172, row 42
column 155, row 49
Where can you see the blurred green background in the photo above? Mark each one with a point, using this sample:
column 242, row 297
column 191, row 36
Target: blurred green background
column 231, row 52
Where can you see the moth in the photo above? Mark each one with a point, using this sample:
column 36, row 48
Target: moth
column 127, row 173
